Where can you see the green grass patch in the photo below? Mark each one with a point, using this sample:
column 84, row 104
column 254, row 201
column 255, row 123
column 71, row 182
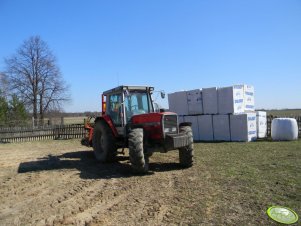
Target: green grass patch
column 246, row 178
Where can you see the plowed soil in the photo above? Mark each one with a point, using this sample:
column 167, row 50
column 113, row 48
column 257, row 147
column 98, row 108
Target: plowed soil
column 61, row 183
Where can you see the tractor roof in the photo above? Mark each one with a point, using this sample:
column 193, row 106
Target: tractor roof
column 128, row 87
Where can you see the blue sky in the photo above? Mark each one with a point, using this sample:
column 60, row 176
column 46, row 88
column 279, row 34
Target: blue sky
column 172, row 45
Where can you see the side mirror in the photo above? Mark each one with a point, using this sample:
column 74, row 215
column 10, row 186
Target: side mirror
column 126, row 94
column 156, row 107
column 162, row 94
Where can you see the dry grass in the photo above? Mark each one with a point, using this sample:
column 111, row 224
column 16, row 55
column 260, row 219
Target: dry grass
column 285, row 112
column 74, row 120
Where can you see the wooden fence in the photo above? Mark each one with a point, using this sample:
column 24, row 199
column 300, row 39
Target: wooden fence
column 20, row 134
column 269, row 124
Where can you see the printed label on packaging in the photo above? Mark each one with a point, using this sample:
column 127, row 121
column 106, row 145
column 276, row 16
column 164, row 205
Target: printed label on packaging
column 252, row 132
column 238, row 101
column 249, row 93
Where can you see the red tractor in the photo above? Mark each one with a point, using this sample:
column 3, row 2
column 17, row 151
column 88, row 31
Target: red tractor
column 129, row 120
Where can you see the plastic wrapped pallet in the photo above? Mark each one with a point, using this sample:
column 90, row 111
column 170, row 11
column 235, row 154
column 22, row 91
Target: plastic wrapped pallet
column 243, row 127
column 221, row 128
column 249, row 103
column 210, row 105
column 195, row 102
column 261, row 118
column 205, row 128
column 194, row 126
column 284, row 129
column 231, row 100
column 178, row 102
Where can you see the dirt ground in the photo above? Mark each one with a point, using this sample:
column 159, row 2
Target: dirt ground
column 60, row 183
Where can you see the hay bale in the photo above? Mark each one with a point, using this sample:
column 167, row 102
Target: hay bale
column 284, row 129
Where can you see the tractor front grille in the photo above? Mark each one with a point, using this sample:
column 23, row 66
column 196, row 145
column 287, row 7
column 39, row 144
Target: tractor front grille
column 170, row 124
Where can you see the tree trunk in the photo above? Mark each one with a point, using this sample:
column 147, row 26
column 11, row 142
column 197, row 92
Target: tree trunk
column 35, row 110
column 41, row 111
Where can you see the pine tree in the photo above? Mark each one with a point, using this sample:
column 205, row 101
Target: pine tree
column 18, row 114
column 4, row 111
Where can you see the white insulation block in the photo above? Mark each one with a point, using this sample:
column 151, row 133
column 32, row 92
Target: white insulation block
column 178, row 102
column 261, row 118
column 249, row 102
column 221, row 128
column 205, row 127
column 243, row 127
column 231, row 100
column 180, row 119
column 210, row 105
column 195, row 102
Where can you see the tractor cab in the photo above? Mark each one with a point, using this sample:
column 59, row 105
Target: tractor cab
column 123, row 102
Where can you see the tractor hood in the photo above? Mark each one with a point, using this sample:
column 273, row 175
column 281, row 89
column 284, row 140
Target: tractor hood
column 157, row 125
column 150, row 118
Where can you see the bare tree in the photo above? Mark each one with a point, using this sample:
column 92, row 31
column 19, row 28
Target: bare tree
column 35, row 78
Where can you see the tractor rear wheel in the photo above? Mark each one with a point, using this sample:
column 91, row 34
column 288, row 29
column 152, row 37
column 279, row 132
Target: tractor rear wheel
column 186, row 153
column 138, row 158
column 104, row 144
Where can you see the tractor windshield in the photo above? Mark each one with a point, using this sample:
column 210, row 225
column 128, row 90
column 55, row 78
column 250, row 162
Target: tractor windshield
column 137, row 103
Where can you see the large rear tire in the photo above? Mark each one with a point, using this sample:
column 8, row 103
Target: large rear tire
column 104, row 143
column 186, row 153
column 138, row 158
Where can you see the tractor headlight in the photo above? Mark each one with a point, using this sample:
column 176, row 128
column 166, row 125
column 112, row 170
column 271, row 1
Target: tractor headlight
column 172, row 129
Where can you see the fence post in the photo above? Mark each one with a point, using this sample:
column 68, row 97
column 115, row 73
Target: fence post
column 62, row 120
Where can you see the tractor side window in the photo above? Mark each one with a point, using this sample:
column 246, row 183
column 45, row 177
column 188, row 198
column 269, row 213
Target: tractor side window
column 144, row 103
column 114, row 108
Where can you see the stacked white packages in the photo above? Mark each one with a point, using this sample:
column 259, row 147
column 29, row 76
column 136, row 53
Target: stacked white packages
column 210, row 104
column 243, row 127
column 261, row 117
column 194, row 126
column 231, row 100
column 212, row 112
column 221, row 128
column 178, row 102
column 195, row 102
column 205, row 128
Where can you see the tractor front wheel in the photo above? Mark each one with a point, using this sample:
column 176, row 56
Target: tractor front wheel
column 104, row 144
column 138, row 158
column 186, row 153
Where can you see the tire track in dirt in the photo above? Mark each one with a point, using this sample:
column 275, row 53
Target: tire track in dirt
column 89, row 201
column 151, row 201
column 36, row 191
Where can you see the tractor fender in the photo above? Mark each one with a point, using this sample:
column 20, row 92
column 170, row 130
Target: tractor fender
column 109, row 122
